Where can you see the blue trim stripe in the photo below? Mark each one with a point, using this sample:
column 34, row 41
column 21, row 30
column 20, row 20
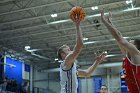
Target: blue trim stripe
column 69, row 83
column 66, row 87
column 71, row 79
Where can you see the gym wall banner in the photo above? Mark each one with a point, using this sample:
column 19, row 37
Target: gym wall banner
column 79, row 86
column 124, row 88
column 13, row 69
column 1, row 68
column 97, row 84
column 25, row 71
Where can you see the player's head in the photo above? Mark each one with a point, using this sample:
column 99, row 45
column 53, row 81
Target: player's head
column 103, row 89
column 63, row 51
column 136, row 42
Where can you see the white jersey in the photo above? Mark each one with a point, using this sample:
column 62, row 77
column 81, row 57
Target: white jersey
column 68, row 79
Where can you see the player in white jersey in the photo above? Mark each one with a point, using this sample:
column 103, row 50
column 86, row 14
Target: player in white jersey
column 68, row 79
column 68, row 72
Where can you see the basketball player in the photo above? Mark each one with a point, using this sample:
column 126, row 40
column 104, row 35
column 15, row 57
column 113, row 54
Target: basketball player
column 68, row 71
column 103, row 89
column 131, row 50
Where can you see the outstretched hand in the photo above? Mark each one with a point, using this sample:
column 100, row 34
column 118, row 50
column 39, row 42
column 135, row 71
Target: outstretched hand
column 102, row 15
column 101, row 57
column 108, row 19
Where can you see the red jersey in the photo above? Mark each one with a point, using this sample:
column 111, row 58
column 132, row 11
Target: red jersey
column 132, row 77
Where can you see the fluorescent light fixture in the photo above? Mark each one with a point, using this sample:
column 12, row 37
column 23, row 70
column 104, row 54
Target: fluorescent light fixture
column 128, row 1
column 131, row 9
column 53, row 15
column 56, row 59
column 40, row 56
column 96, row 15
column 61, row 21
column 94, row 7
column 91, row 42
column 60, row 61
column 27, row 47
column 32, row 50
column 85, row 39
column 123, row 37
column 126, row 37
column 105, row 52
column 110, row 55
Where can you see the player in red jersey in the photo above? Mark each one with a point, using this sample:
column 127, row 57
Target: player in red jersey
column 131, row 62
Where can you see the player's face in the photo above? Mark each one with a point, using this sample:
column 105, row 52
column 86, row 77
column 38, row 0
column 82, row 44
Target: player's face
column 67, row 50
column 103, row 89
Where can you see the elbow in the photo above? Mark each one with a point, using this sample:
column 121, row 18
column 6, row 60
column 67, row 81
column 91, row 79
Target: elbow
column 88, row 74
column 117, row 35
column 121, row 41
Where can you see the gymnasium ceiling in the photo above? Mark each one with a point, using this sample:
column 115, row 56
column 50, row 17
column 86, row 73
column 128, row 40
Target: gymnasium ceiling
column 29, row 23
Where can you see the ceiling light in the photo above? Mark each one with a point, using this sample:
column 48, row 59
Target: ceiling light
column 94, row 7
column 105, row 52
column 126, row 37
column 53, row 15
column 96, row 15
column 27, row 47
column 61, row 21
column 128, row 1
column 60, row 61
column 131, row 9
column 91, row 42
column 123, row 37
column 56, row 59
column 85, row 39
column 110, row 55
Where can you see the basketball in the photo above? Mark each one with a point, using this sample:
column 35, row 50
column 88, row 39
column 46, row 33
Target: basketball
column 77, row 11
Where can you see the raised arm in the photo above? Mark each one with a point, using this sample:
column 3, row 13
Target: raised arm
column 88, row 72
column 109, row 20
column 123, row 43
column 78, row 46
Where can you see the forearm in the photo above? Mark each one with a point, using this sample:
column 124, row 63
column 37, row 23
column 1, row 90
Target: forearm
column 92, row 68
column 111, row 28
column 79, row 37
column 87, row 72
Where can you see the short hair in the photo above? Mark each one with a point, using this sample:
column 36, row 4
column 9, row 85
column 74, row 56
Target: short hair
column 25, row 83
column 137, row 43
column 104, row 86
column 60, row 50
column 6, row 78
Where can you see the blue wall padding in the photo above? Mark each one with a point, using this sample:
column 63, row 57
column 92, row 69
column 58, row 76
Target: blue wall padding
column 14, row 73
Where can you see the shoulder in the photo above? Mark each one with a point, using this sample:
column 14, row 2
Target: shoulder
column 64, row 68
